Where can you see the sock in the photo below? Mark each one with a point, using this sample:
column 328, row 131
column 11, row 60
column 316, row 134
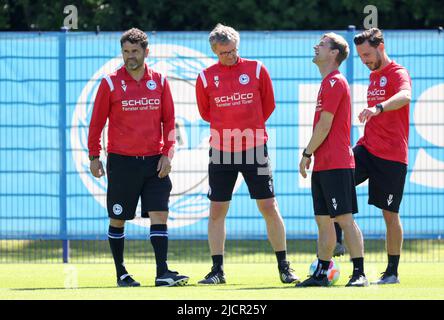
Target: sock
column 338, row 233
column 116, row 238
column 322, row 269
column 159, row 241
column 281, row 257
column 218, row 262
column 358, row 266
column 392, row 267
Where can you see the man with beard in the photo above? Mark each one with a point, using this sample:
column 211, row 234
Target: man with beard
column 381, row 155
column 138, row 103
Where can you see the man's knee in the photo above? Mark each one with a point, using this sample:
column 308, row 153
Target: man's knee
column 345, row 220
column 116, row 223
column 324, row 222
column 158, row 217
column 268, row 207
column 393, row 222
column 218, row 210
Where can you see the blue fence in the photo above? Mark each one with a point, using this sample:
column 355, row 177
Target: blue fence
column 48, row 82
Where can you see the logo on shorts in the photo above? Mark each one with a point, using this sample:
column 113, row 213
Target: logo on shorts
column 151, row 84
column 209, row 191
column 244, row 79
column 383, row 81
column 270, row 185
column 117, row 209
column 335, row 204
column 390, row 199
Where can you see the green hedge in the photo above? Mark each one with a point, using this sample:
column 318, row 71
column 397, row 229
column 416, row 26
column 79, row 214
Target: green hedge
column 178, row 15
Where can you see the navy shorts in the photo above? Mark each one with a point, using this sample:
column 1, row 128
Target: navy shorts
column 386, row 179
column 334, row 192
column 254, row 164
column 133, row 178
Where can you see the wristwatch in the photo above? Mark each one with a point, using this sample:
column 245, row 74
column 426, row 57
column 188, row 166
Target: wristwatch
column 306, row 155
column 379, row 107
column 91, row 158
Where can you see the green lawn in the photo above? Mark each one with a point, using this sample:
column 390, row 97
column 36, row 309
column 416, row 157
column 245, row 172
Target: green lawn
column 244, row 281
column 197, row 251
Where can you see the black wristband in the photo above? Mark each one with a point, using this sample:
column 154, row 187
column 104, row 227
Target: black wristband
column 380, row 107
column 306, row 155
column 91, row 158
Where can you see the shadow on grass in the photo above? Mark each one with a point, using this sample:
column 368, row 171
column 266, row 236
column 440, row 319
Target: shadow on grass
column 102, row 287
column 61, row 288
column 264, row 288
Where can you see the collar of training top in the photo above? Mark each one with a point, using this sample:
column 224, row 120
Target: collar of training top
column 387, row 67
column 127, row 76
column 238, row 62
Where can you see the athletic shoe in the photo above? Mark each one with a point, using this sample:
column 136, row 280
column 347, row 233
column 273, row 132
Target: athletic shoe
column 339, row 250
column 286, row 273
column 357, row 281
column 216, row 276
column 126, row 281
column 387, row 279
column 171, row 279
column 313, row 282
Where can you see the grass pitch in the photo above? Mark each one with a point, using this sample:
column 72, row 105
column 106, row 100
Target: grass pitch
column 244, row 281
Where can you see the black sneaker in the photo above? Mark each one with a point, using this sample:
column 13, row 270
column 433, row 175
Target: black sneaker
column 126, row 281
column 339, row 250
column 387, row 278
column 286, row 273
column 171, row 279
column 216, row 276
column 313, row 282
column 357, row 281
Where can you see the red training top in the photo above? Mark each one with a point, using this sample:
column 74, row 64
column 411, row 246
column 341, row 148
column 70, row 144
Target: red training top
column 386, row 135
column 141, row 115
column 236, row 100
column 335, row 151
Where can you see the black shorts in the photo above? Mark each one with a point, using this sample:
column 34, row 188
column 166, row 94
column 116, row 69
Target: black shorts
column 334, row 192
column 254, row 164
column 131, row 178
column 386, row 179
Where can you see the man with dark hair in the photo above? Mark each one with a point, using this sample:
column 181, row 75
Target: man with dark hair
column 381, row 155
column 134, row 36
column 236, row 97
column 332, row 180
column 137, row 102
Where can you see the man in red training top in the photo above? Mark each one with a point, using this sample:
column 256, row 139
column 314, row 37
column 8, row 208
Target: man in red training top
column 137, row 102
column 332, row 180
column 381, row 155
column 236, row 97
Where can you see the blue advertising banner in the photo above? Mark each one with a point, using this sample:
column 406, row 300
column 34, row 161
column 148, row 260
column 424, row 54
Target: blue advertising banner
column 47, row 87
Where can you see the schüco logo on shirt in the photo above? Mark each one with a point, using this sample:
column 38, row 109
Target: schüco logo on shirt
column 234, row 97
column 376, row 92
column 140, row 104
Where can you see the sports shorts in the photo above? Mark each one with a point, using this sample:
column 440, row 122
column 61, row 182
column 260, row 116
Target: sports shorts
column 253, row 164
column 132, row 178
column 386, row 179
column 334, row 192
